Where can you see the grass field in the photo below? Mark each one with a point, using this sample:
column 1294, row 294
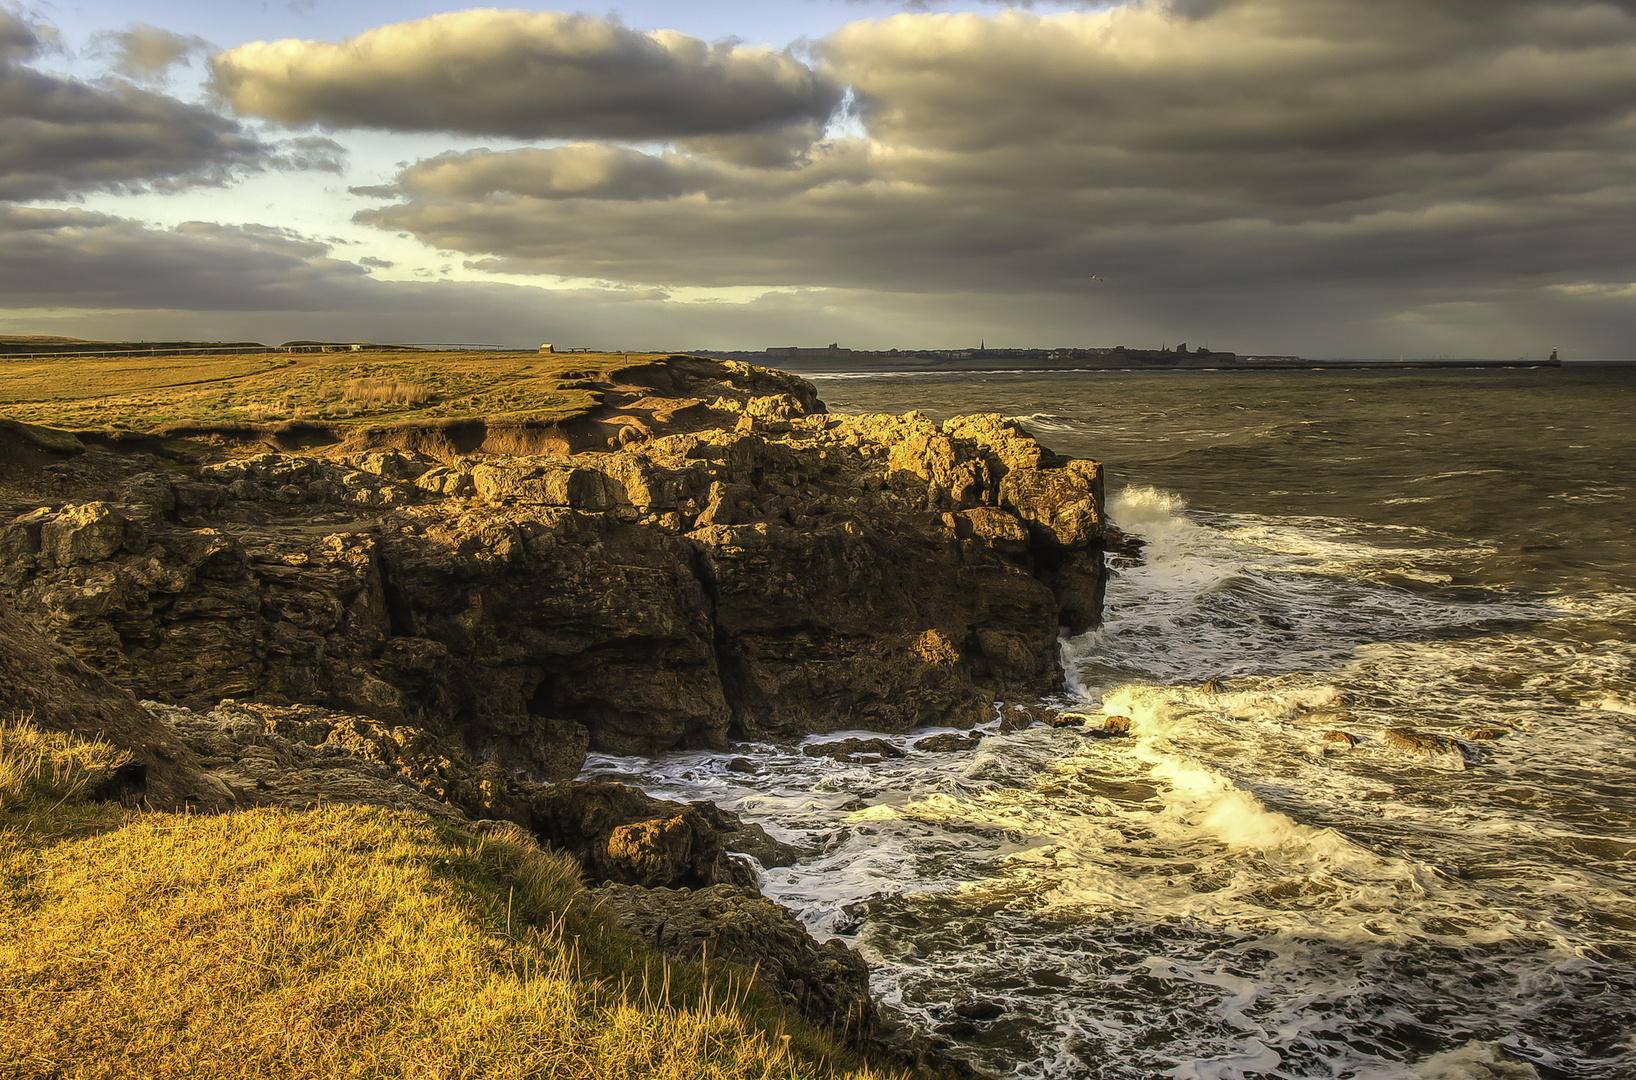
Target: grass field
column 338, row 942
column 341, row 389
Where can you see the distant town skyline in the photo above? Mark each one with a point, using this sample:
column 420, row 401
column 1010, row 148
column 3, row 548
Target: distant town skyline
column 1312, row 177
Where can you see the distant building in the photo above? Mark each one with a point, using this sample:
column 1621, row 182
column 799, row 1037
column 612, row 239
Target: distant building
column 797, row 352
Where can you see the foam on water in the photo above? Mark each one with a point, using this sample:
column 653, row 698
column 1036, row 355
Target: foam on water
column 1225, row 893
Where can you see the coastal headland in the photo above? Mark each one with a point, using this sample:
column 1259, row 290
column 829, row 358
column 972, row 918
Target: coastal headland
column 435, row 581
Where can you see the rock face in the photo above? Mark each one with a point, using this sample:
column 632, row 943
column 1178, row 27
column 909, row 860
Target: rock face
column 828, row 984
column 735, row 564
column 43, row 683
column 300, row 755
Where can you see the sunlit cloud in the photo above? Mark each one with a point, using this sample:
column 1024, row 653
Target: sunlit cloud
column 526, row 75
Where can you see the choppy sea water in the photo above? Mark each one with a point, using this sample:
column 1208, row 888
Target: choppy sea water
column 1225, row 894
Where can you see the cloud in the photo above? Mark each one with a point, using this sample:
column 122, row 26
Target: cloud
column 60, row 137
column 525, row 75
column 104, row 261
column 1239, row 161
column 146, row 52
column 99, row 276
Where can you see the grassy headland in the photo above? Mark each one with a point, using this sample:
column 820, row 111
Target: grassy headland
column 335, row 942
column 341, row 390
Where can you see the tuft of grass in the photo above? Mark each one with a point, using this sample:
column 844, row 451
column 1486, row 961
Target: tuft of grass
column 43, row 769
column 376, row 392
column 337, row 942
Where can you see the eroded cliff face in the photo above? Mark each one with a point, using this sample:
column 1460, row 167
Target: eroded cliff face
column 718, row 559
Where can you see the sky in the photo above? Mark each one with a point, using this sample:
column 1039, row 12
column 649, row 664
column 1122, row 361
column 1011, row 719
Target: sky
column 1326, row 178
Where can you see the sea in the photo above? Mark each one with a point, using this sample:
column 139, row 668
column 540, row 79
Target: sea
column 1225, row 893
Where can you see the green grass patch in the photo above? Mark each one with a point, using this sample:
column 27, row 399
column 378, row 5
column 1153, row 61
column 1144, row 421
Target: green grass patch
column 338, row 942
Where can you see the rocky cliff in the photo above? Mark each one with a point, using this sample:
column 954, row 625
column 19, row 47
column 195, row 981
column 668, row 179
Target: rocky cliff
column 710, row 557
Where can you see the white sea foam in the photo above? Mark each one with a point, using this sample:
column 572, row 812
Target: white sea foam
column 1222, row 885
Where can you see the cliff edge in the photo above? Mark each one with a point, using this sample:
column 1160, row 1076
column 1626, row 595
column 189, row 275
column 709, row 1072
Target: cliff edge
column 707, row 556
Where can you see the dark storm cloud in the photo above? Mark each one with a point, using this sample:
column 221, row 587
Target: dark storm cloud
column 60, row 137
column 525, row 75
column 95, row 275
column 1229, row 157
column 99, row 260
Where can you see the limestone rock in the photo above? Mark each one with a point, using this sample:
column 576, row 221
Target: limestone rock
column 42, row 683
column 750, row 568
column 1116, row 725
column 828, row 984
column 854, row 750
column 746, row 837
column 625, row 836
column 87, row 534
column 949, row 742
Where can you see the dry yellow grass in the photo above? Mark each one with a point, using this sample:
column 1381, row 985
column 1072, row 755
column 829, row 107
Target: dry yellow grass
column 386, row 392
column 343, row 389
column 338, row 942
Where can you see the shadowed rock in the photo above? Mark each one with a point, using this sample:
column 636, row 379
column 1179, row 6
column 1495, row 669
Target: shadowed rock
column 828, row 984
column 43, row 683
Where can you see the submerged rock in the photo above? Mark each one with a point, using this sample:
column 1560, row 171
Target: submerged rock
column 1437, row 750
column 1409, row 741
column 949, row 742
column 854, row 750
column 1016, row 717
column 979, row 1009
column 1116, row 725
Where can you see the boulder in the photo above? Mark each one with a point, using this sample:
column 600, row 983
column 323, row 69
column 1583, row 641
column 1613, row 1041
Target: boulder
column 854, row 750
column 949, row 742
column 828, row 984
column 747, row 837
column 625, row 836
column 1409, row 741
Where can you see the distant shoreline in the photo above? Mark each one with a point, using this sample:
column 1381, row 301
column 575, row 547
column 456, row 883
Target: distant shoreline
column 1270, row 365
